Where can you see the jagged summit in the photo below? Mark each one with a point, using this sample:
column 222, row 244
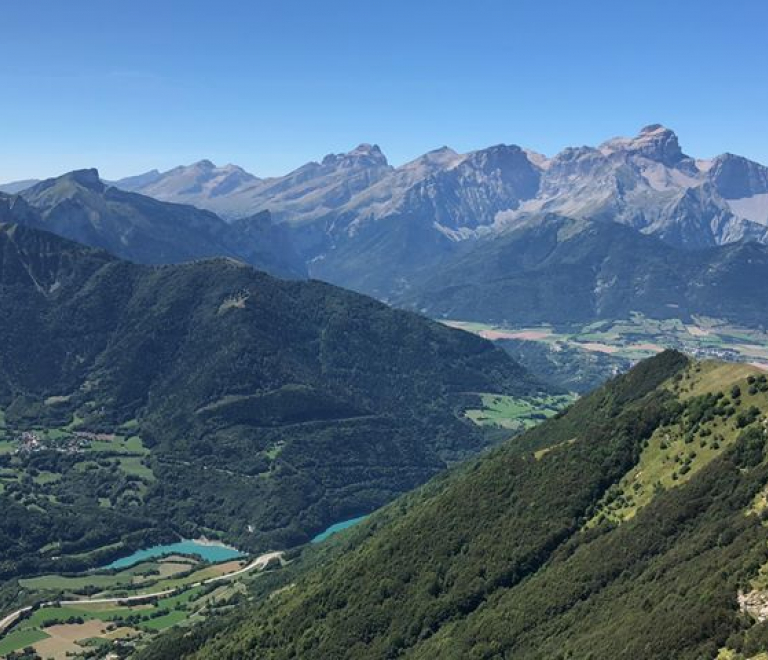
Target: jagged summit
column 736, row 177
column 366, row 149
column 645, row 181
column 364, row 154
column 500, row 155
column 655, row 142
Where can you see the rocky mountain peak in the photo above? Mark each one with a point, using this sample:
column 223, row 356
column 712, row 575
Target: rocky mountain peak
column 363, row 155
column 736, row 177
column 499, row 156
column 365, row 149
column 88, row 178
column 655, row 142
column 441, row 158
column 654, row 128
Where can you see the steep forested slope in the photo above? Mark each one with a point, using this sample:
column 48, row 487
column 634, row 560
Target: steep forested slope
column 631, row 536
column 558, row 270
column 269, row 408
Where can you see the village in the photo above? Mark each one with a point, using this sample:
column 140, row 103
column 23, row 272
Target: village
column 30, row 442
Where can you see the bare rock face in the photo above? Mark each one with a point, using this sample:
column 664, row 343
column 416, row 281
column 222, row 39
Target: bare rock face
column 306, row 193
column 735, row 177
column 654, row 142
column 646, row 181
column 754, row 603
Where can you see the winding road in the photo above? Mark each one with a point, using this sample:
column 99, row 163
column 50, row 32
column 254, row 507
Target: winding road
column 260, row 562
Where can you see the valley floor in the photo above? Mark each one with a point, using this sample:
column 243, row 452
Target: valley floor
column 140, row 602
column 581, row 357
column 640, row 337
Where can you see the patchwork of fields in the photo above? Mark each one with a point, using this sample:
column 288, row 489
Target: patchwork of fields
column 580, row 358
column 124, row 607
column 40, row 466
column 640, row 337
column 94, row 612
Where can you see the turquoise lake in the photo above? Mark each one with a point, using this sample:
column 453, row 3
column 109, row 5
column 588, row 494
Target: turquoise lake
column 338, row 527
column 211, row 553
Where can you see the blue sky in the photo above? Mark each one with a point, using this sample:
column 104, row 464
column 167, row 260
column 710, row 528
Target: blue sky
column 131, row 85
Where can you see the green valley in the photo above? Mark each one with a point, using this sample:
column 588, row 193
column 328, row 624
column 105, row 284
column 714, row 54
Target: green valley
column 581, row 538
column 141, row 405
column 106, row 611
column 383, row 330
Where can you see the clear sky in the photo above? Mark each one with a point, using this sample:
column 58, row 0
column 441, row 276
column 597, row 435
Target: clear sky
column 128, row 85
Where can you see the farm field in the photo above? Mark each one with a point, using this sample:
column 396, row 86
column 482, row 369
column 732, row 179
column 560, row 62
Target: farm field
column 61, row 628
column 639, row 337
column 41, row 467
column 579, row 358
column 517, row 414
column 138, row 575
column 45, row 468
column 20, row 639
column 108, row 470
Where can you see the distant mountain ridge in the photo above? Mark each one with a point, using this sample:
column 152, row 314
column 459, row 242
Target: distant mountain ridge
column 646, row 182
column 81, row 207
column 306, row 193
column 13, row 187
column 187, row 184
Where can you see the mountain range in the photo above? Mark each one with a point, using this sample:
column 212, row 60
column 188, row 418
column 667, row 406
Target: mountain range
column 424, row 235
column 646, row 182
column 552, row 269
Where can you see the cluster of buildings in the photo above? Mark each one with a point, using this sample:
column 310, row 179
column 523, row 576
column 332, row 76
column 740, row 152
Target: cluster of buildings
column 30, row 442
column 715, row 353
